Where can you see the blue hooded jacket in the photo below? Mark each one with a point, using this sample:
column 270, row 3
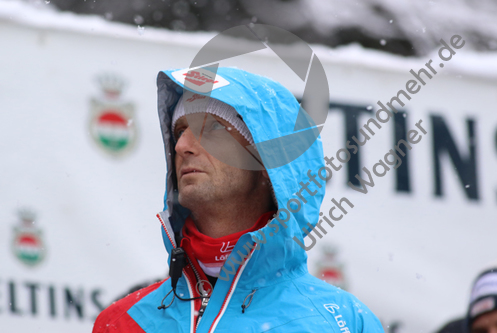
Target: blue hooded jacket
column 286, row 298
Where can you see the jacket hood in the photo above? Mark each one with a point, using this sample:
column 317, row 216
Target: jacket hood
column 289, row 146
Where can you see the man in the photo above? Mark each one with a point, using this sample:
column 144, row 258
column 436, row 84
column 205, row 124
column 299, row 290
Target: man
column 233, row 267
column 482, row 311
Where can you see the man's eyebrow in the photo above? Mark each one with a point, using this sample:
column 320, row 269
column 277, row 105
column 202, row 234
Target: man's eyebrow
column 178, row 127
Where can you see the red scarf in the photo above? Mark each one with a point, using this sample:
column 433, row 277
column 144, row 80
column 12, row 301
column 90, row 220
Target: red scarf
column 211, row 253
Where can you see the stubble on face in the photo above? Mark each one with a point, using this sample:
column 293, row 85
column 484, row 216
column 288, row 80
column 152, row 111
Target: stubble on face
column 214, row 185
column 208, row 180
column 222, row 199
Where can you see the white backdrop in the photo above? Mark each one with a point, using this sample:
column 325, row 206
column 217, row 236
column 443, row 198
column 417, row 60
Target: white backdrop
column 410, row 256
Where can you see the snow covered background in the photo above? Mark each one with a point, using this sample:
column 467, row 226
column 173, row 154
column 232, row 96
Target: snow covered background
column 405, row 27
column 410, row 257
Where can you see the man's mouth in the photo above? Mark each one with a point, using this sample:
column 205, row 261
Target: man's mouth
column 187, row 171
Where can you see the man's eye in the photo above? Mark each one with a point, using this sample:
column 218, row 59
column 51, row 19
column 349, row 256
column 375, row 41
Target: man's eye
column 178, row 133
column 216, row 126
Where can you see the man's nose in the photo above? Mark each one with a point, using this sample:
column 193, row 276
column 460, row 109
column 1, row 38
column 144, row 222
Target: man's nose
column 187, row 143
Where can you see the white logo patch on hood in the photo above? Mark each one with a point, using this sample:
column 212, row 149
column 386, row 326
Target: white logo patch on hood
column 197, row 79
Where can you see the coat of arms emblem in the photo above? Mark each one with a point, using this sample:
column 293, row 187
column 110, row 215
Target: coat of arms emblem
column 112, row 122
column 329, row 269
column 28, row 245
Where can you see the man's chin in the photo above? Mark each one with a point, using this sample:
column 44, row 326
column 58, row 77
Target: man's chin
column 191, row 196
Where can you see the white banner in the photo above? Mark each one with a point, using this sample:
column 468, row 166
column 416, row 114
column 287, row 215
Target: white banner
column 83, row 168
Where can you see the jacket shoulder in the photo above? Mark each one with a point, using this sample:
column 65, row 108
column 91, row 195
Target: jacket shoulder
column 342, row 310
column 115, row 317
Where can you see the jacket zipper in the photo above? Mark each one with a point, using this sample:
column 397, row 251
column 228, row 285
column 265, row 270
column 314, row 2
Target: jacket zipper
column 194, row 269
column 205, row 301
column 229, row 294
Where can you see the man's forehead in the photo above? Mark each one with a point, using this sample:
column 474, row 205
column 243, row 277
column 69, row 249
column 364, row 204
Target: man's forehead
column 183, row 120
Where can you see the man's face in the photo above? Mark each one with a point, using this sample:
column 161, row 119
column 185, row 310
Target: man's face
column 486, row 323
column 203, row 179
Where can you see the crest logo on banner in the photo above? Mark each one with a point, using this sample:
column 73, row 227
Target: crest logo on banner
column 112, row 122
column 28, row 245
column 329, row 269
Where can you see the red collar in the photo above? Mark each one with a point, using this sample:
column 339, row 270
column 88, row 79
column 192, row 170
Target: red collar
column 211, row 253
